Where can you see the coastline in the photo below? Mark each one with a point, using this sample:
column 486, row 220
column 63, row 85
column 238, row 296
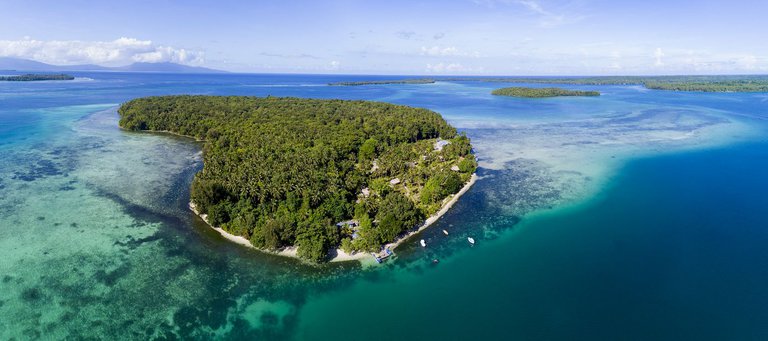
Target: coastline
column 162, row 132
column 340, row 255
column 435, row 217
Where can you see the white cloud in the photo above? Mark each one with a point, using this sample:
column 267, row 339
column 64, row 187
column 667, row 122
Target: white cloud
column 446, row 51
column 334, row 65
column 547, row 18
column 534, row 6
column 658, row 54
column 748, row 62
column 439, row 51
column 117, row 52
column 450, row 68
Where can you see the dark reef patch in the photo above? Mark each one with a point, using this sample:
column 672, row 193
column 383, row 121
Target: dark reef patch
column 31, row 295
column 133, row 243
column 109, row 278
column 38, row 170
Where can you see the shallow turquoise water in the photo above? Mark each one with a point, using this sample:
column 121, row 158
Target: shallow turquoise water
column 636, row 215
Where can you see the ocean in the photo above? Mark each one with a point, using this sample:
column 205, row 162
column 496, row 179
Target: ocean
column 635, row 215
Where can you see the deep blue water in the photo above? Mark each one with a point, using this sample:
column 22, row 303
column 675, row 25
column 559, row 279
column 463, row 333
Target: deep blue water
column 636, row 215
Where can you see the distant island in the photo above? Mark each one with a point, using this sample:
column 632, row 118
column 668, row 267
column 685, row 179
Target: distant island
column 37, row 77
column 718, row 83
column 724, row 83
column 383, row 82
column 541, row 92
column 317, row 179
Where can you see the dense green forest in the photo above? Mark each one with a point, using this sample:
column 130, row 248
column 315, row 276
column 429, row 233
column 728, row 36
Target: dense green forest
column 541, row 92
column 37, row 77
column 384, row 82
column 284, row 171
column 717, row 83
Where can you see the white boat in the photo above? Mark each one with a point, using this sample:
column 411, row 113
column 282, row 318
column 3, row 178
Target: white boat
column 446, row 232
column 471, row 240
column 423, row 243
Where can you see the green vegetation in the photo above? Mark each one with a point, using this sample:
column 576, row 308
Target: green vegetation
column 400, row 81
column 746, row 83
column 37, row 77
column 283, row 171
column 712, row 85
column 721, row 83
column 541, row 92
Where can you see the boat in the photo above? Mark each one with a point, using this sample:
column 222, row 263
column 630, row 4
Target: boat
column 423, row 243
column 378, row 260
column 471, row 240
column 445, row 232
column 388, row 251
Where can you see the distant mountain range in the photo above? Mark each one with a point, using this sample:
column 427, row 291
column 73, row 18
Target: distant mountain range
column 17, row 64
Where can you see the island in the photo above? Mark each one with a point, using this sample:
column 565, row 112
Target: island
column 702, row 83
column 316, row 179
column 717, row 83
column 541, row 92
column 384, row 82
column 37, row 77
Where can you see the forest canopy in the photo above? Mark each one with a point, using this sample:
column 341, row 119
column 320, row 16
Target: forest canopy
column 288, row 171
column 541, row 92
column 37, row 77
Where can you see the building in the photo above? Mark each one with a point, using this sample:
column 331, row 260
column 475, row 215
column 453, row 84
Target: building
column 440, row 144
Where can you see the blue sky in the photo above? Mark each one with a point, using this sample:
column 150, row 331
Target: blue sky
column 484, row 37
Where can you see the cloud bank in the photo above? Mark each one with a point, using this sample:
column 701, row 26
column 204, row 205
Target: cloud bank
column 447, row 51
column 451, row 68
column 120, row 51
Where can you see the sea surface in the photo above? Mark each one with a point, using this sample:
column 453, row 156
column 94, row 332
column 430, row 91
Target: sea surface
column 636, row 215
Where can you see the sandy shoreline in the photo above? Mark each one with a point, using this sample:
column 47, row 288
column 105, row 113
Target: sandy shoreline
column 435, row 217
column 340, row 255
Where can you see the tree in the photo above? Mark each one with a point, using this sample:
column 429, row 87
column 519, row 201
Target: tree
column 206, row 193
column 396, row 214
column 439, row 186
column 468, row 164
column 311, row 241
column 368, row 150
column 368, row 238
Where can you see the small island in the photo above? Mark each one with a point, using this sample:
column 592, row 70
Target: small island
column 541, row 92
column 385, row 82
column 37, row 77
column 316, row 179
